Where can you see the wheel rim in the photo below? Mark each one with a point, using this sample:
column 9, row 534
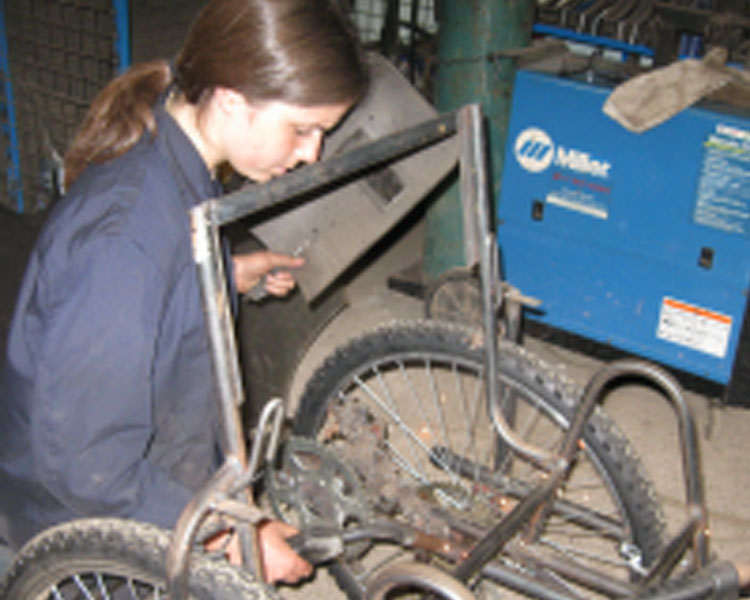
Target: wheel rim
column 85, row 581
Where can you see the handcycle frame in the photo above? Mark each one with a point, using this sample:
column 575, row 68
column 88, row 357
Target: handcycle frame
column 226, row 493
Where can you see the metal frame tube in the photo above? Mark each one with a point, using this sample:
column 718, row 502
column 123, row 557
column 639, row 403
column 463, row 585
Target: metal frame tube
column 474, row 185
column 254, row 198
column 717, row 580
column 187, row 525
column 213, row 283
column 511, row 524
column 694, row 492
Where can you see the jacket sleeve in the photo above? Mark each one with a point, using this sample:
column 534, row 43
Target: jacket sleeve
column 92, row 410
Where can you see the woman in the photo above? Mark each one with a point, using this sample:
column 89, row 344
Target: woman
column 107, row 399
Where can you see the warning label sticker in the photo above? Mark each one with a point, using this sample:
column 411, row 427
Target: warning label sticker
column 723, row 199
column 694, row 327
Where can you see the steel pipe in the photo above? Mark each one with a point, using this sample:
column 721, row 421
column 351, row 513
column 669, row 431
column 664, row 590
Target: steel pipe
column 694, row 492
column 474, row 185
column 254, row 198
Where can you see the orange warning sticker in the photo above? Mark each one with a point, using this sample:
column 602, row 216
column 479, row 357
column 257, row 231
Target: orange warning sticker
column 695, row 327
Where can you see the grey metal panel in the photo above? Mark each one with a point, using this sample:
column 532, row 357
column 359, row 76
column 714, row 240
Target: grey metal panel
column 334, row 230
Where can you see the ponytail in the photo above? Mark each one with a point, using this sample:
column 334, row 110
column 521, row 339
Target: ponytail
column 304, row 52
column 117, row 117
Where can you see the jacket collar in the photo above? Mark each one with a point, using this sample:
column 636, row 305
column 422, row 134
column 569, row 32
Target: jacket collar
column 183, row 158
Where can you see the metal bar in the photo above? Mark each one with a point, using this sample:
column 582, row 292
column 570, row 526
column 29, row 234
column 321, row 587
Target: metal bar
column 254, row 198
column 475, row 184
column 595, row 40
column 122, row 38
column 720, row 579
column 413, row 25
column 265, row 441
column 569, row 511
column 208, row 258
column 671, row 555
column 475, row 225
column 178, row 553
column 571, row 571
column 694, row 491
column 13, row 184
column 520, row 582
column 517, row 518
column 407, row 536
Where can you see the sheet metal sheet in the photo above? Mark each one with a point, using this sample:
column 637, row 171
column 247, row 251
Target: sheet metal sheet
column 332, row 231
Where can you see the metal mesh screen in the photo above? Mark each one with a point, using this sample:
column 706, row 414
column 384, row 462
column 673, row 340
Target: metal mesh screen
column 60, row 53
column 159, row 26
column 369, row 18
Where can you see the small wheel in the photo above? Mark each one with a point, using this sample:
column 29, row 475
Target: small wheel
column 115, row 558
column 411, row 578
column 455, row 296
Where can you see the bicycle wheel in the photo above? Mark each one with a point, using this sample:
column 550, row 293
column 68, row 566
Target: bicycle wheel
column 115, row 559
column 405, row 407
column 455, row 296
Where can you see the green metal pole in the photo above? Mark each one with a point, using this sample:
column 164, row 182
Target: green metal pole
column 472, row 33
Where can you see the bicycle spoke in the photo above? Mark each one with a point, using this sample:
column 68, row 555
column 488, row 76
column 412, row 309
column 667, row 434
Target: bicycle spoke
column 417, row 453
column 102, row 587
column 417, row 399
column 436, row 401
column 409, row 433
column 55, row 591
column 82, row 587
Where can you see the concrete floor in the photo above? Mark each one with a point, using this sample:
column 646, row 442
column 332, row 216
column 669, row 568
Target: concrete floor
column 647, row 420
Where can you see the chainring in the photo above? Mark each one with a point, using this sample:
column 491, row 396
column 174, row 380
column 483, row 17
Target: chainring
column 311, row 488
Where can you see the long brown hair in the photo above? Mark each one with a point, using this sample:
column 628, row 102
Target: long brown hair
column 303, row 52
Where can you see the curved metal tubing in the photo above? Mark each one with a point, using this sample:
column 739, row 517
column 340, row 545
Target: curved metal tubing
column 694, row 491
column 417, row 576
column 183, row 536
column 475, row 188
column 266, row 440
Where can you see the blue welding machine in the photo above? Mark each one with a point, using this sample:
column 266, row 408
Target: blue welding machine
column 637, row 241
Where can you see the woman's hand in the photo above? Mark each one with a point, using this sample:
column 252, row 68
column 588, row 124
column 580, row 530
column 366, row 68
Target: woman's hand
column 280, row 562
column 249, row 268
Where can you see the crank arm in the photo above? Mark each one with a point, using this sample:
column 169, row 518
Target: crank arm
column 318, row 545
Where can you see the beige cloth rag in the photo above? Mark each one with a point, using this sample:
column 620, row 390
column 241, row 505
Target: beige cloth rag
column 647, row 100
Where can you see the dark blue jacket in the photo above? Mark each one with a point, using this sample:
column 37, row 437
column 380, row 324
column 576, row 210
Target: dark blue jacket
column 107, row 398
